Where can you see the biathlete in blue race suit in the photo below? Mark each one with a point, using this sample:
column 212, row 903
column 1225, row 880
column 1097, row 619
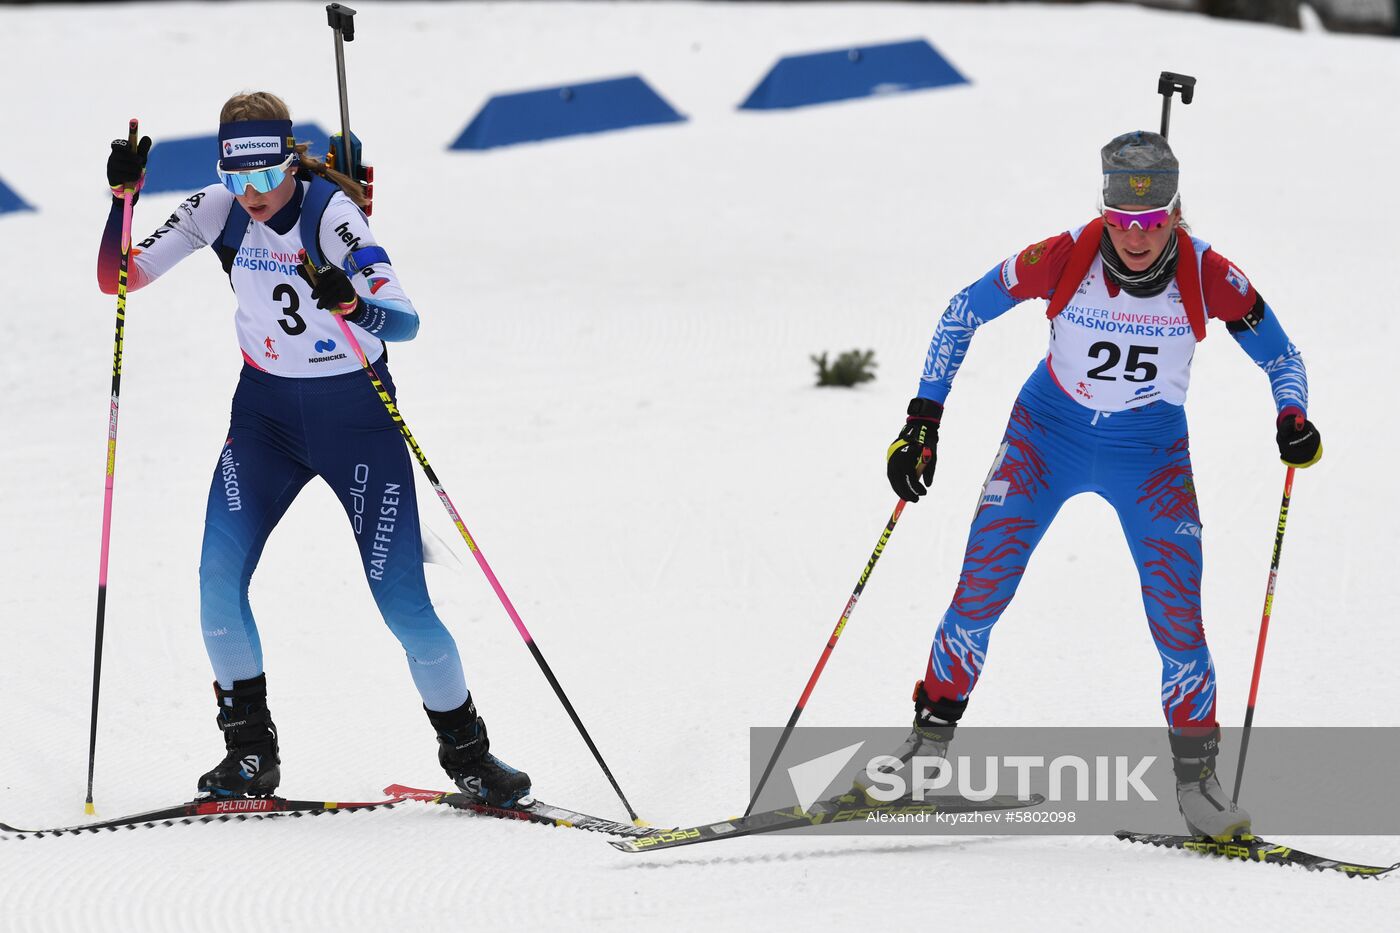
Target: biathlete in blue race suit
column 1130, row 295
column 303, row 408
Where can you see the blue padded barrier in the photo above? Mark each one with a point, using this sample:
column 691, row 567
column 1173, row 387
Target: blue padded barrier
column 866, row 71
column 9, row 201
column 568, row 110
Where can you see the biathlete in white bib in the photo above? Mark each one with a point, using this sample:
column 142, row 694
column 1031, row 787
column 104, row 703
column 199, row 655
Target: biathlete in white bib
column 1130, row 295
column 303, row 408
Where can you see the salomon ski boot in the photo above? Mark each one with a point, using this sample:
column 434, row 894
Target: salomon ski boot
column 464, row 751
column 934, row 722
column 1199, row 796
column 251, row 767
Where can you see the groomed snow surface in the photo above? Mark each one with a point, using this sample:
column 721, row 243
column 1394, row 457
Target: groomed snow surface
column 612, row 379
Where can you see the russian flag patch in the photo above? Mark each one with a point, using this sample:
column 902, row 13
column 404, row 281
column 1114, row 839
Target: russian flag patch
column 1237, row 280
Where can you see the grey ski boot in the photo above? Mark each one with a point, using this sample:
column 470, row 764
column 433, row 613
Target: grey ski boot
column 934, row 722
column 1199, row 796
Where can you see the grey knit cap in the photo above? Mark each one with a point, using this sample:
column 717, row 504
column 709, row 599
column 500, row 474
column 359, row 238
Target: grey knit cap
column 1139, row 170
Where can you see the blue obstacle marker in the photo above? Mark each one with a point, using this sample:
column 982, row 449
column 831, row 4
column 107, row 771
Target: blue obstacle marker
column 9, row 201
column 569, row 110
column 823, row 77
column 186, row 165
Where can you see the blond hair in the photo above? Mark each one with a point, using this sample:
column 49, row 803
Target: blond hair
column 261, row 105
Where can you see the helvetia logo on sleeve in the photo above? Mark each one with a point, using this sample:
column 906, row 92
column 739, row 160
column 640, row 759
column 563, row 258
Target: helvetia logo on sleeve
column 351, row 241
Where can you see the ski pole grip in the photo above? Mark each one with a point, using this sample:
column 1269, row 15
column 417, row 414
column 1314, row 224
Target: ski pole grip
column 342, row 19
column 132, row 135
column 307, row 264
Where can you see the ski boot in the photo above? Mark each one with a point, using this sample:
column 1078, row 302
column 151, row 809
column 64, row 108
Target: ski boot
column 251, row 767
column 464, row 751
column 1199, row 796
column 934, row 722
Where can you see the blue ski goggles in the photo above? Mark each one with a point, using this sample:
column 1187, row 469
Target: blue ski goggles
column 261, row 180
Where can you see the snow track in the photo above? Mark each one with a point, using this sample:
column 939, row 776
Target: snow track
column 612, row 380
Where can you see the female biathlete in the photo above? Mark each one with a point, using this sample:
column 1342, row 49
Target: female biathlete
column 303, row 408
column 1130, row 294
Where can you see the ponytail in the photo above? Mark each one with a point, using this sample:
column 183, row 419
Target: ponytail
column 352, row 188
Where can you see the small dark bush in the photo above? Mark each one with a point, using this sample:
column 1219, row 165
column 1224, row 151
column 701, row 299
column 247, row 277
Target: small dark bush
column 851, row 368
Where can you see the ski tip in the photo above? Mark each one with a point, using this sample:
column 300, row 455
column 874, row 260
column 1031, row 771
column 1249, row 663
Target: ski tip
column 399, row 792
column 89, row 809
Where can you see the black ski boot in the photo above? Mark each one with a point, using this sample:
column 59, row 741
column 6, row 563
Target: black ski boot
column 464, row 752
column 934, row 723
column 251, row 768
column 1199, row 796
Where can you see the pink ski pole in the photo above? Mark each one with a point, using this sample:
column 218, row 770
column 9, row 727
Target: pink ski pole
column 428, row 471
column 129, row 195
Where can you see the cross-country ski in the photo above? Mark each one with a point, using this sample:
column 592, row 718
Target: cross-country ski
column 211, row 810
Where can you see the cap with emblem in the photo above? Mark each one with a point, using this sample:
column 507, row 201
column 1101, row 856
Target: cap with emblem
column 1139, row 171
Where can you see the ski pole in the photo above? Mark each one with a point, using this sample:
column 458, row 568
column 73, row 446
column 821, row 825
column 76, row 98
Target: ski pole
column 428, row 471
column 128, row 194
column 1263, row 630
column 1169, row 83
column 826, row 653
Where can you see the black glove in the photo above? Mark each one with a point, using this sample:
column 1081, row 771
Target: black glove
column 127, row 167
column 914, row 454
column 332, row 290
column 1299, row 443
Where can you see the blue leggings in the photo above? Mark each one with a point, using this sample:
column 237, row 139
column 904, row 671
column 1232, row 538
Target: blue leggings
column 282, row 432
column 1138, row 461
